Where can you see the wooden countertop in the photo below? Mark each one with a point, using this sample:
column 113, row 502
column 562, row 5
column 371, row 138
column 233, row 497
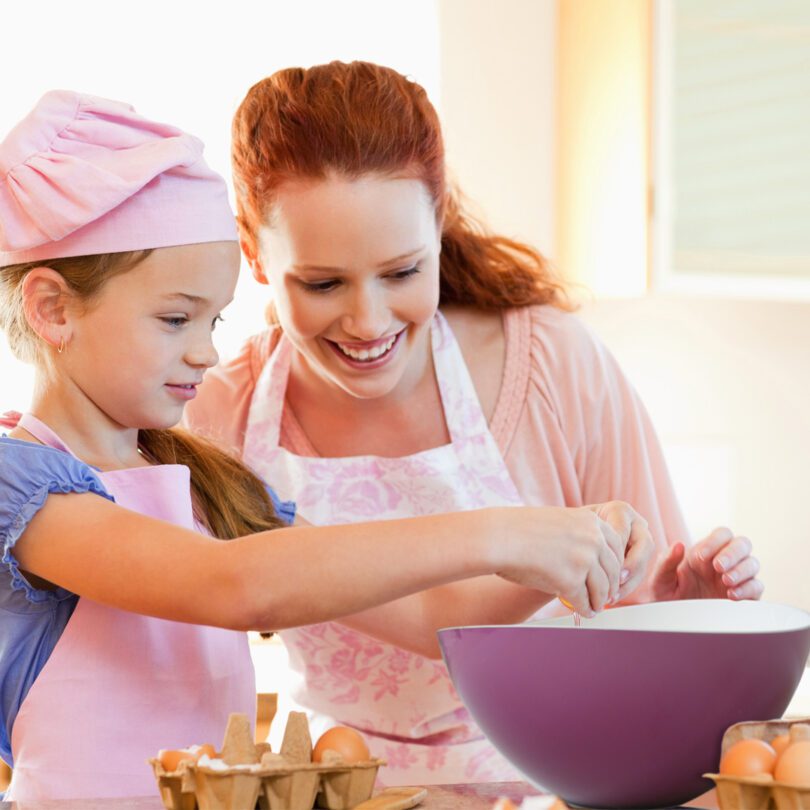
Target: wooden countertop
column 440, row 797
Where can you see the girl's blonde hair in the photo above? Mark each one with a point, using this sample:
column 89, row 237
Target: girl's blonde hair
column 228, row 498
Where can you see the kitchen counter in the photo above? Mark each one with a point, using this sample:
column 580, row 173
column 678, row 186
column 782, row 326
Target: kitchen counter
column 440, row 797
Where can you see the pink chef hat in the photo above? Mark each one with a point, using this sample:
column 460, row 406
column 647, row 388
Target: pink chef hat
column 82, row 175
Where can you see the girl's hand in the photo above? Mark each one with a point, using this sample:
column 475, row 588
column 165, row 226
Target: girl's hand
column 718, row 567
column 639, row 549
column 581, row 554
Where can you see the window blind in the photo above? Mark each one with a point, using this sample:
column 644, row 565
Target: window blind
column 740, row 137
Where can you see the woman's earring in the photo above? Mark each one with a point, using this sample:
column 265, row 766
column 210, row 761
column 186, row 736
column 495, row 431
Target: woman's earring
column 61, row 345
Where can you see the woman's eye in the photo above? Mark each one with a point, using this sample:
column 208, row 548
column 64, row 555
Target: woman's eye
column 403, row 274
column 175, row 321
column 319, row 286
column 218, row 319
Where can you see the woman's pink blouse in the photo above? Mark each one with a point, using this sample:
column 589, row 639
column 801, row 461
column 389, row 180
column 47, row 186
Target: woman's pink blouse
column 571, row 428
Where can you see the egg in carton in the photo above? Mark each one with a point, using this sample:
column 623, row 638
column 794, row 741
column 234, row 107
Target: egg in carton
column 176, row 790
column 244, row 772
column 172, row 769
column 204, row 780
column 761, row 792
column 301, row 776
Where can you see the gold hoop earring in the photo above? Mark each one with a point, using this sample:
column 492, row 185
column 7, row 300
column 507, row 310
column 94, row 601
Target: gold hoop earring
column 61, row 346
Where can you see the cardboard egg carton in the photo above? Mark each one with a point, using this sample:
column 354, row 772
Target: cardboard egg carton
column 245, row 774
column 176, row 790
column 760, row 792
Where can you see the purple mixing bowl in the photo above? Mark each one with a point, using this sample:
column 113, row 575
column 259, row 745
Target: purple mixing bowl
column 628, row 710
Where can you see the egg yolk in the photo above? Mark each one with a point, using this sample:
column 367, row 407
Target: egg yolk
column 748, row 758
column 345, row 741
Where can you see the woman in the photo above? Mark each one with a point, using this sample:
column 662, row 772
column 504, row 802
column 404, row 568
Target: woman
column 418, row 365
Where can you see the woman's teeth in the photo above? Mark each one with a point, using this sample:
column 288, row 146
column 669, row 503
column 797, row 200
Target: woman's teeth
column 368, row 354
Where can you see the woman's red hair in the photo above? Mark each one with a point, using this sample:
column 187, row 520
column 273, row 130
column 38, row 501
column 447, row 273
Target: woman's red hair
column 360, row 118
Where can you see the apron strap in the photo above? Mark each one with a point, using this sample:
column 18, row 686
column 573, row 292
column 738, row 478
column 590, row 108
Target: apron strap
column 40, row 431
column 463, row 414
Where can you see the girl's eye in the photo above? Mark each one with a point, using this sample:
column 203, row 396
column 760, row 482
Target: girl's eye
column 175, row 321
column 218, row 319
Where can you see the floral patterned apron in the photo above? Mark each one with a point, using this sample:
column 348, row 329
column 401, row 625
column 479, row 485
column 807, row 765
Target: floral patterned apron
column 403, row 703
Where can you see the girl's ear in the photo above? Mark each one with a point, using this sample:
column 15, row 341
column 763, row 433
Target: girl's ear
column 249, row 249
column 45, row 298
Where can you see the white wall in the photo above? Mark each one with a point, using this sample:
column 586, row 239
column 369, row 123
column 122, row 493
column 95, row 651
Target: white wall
column 498, row 83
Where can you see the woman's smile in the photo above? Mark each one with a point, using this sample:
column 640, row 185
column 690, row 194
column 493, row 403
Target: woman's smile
column 367, row 355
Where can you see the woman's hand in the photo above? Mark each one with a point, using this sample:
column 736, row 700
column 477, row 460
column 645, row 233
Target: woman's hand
column 718, row 567
column 589, row 556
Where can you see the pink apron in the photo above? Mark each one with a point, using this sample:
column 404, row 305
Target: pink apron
column 119, row 686
column 404, row 704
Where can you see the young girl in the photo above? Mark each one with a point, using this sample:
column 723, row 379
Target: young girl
column 418, row 362
column 120, row 604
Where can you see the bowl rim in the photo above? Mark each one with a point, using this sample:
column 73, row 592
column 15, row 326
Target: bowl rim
column 798, row 618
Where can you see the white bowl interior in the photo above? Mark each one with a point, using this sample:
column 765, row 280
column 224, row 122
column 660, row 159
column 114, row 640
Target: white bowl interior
column 693, row 616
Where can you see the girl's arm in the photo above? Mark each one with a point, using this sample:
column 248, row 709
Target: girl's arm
column 303, row 575
column 483, row 600
column 492, row 600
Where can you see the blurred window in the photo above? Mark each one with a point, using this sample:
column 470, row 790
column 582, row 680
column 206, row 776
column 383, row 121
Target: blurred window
column 732, row 202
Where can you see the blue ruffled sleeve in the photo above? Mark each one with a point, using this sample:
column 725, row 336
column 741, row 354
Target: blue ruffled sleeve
column 28, row 474
column 284, row 509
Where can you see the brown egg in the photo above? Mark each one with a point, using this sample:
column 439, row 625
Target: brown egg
column 345, row 741
column 780, row 743
column 207, row 748
column 748, row 758
column 170, row 760
column 793, row 766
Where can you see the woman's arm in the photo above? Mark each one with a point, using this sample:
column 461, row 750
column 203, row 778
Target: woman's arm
column 303, row 575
